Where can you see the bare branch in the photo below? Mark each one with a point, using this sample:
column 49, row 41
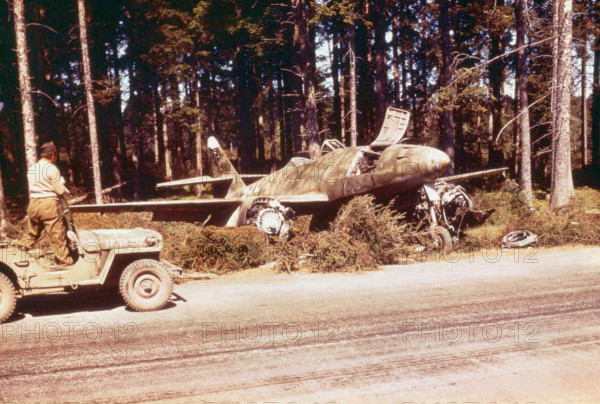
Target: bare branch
column 47, row 96
column 518, row 115
column 42, row 25
column 466, row 72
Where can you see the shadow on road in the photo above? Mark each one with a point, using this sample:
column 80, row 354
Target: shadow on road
column 90, row 301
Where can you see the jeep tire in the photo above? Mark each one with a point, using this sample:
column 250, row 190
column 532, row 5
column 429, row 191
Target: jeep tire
column 145, row 285
column 8, row 298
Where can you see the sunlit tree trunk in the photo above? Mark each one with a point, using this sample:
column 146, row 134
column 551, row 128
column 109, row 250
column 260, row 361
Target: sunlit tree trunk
column 595, row 160
column 91, row 109
column 352, row 73
column 584, row 118
column 25, row 84
column 562, row 180
column 198, row 139
column 166, row 143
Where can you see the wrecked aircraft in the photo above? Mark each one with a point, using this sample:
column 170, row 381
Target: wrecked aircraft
column 411, row 175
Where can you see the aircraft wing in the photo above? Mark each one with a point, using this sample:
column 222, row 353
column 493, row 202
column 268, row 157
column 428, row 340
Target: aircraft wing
column 195, row 181
column 467, row 176
column 213, row 211
column 205, row 179
column 305, row 204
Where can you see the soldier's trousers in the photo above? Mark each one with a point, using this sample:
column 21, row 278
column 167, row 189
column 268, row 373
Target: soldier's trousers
column 43, row 215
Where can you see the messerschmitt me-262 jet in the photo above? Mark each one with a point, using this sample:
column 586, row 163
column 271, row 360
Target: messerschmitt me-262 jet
column 411, row 175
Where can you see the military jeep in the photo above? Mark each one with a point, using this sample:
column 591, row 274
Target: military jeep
column 104, row 259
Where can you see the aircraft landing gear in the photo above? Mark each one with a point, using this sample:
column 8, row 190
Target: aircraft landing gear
column 442, row 240
column 270, row 217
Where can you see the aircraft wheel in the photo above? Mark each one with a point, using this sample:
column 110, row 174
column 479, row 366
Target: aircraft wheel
column 442, row 239
column 8, row 298
column 145, row 285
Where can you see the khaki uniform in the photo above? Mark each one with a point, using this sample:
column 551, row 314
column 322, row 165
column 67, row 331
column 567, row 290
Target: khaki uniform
column 43, row 215
column 45, row 185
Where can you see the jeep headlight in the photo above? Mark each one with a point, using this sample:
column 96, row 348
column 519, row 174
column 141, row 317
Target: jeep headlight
column 152, row 241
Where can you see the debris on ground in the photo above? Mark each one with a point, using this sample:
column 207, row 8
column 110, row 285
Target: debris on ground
column 518, row 239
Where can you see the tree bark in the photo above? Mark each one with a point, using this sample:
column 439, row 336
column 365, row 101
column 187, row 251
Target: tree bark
column 396, row 61
column 352, row 72
column 562, row 180
column 133, row 135
column 595, row 160
column 332, row 45
column 584, row 118
column 166, row 142
column 303, row 67
column 198, row 139
column 381, row 71
column 523, row 102
column 447, row 135
column 4, row 219
column 496, row 76
column 91, row 109
column 25, row 84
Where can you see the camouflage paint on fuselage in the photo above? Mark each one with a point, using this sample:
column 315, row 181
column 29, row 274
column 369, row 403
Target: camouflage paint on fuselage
column 399, row 168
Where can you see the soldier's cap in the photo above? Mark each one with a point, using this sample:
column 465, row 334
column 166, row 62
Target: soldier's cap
column 48, row 147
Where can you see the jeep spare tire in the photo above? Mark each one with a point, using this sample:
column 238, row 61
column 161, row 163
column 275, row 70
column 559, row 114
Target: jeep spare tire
column 145, row 285
column 8, row 298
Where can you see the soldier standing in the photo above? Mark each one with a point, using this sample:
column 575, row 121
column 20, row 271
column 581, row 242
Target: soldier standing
column 45, row 186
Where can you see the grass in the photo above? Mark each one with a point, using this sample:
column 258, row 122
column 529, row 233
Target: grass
column 580, row 224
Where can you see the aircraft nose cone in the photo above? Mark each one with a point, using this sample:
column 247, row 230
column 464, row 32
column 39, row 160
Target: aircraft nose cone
column 437, row 162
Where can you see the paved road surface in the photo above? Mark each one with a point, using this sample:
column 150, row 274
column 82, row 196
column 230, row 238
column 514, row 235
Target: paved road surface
column 467, row 331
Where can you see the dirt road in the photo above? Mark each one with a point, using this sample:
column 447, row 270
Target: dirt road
column 502, row 329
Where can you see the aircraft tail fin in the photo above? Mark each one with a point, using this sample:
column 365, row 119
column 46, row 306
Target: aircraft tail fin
column 220, row 166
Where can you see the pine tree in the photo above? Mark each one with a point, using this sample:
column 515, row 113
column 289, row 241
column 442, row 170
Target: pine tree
column 25, row 83
column 523, row 106
column 562, row 180
column 91, row 109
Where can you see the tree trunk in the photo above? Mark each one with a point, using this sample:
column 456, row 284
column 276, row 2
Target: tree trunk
column 381, row 71
column 447, row 135
column 303, row 68
column 91, row 109
column 198, row 139
column 396, row 60
column 133, row 135
column 523, row 102
column 352, row 71
column 595, row 160
column 166, row 142
column 4, row 219
column 25, row 84
column 496, row 76
column 584, row 123
column 562, row 180
column 334, row 62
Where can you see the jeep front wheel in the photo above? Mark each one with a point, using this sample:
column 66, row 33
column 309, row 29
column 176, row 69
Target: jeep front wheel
column 145, row 285
column 8, row 298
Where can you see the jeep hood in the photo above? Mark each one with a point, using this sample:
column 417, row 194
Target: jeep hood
column 111, row 239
